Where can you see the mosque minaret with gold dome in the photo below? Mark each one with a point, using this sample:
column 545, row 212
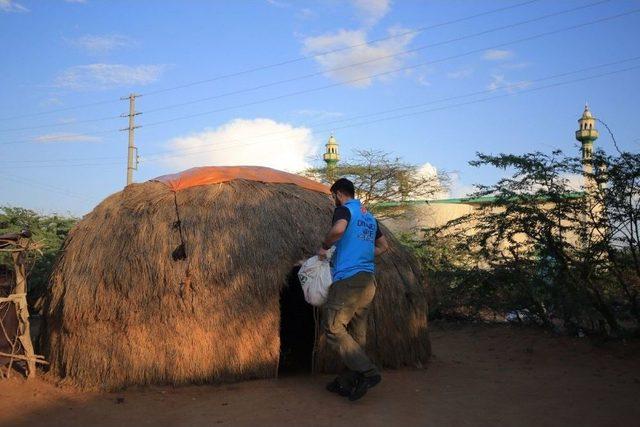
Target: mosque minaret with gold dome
column 587, row 134
column 331, row 157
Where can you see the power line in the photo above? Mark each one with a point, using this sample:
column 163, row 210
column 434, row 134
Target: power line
column 450, row 98
column 305, row 91
column 48, row 187
column 51, row 125
column 376, row 59
column 60, row 110
column 278, row 64
column 362, row 116
column 383, row 119
column 35, row 139
column 306, row 57
column 496, row 97
column 320, row 73
column 65, row 160
column 62, row 165
column 417, row 112
column 422, row 64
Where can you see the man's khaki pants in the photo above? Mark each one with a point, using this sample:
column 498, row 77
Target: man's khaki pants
column 345, row 320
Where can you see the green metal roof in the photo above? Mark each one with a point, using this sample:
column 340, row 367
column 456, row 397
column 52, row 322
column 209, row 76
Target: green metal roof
column 470, row 200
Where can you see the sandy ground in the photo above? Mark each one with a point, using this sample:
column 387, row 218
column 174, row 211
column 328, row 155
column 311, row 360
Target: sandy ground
column 481, row 375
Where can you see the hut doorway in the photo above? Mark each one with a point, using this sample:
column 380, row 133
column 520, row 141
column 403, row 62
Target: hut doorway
column 297, row 329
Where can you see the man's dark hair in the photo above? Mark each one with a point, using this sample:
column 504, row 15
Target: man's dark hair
column 344, row 186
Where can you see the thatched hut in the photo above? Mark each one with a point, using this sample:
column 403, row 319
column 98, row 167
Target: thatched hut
column 190, row 278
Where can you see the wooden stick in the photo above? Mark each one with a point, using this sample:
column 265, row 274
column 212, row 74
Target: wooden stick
column 36, row 359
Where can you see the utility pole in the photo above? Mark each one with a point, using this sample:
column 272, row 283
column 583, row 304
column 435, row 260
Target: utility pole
column 132, row 148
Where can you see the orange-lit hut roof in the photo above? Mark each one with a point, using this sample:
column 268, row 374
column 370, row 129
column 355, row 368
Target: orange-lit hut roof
column 216, row 174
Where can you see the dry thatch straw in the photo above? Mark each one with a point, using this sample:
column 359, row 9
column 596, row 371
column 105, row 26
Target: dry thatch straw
column 125, row 309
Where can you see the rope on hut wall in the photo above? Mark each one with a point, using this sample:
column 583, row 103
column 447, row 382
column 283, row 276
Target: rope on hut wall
column 181, row 252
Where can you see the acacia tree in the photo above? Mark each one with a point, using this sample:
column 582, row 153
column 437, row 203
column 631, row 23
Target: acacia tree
column 618, row 225
column 385, row 184
column 561, row 254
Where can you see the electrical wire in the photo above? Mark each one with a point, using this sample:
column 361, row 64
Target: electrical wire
column 61, row 124
column 422, row 64
column 376, row 59
column 306, row 57
column 48, row 187
column 144, row 160
column 367, row 115
column 34, row 139
column 398, row 116
column 384, row 119
column 60, row 110
column 440, row 100
column 323, row 72
column 278, row 64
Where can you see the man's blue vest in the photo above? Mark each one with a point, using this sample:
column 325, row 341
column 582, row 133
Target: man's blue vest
column 355, row 249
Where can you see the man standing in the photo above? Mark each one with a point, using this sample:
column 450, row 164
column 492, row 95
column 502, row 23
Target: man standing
column 357, row 237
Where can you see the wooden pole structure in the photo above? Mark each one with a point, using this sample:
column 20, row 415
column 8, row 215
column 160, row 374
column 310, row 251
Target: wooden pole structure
column 18, row 298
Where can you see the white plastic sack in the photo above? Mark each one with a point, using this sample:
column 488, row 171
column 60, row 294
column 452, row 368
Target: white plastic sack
column 315, row 278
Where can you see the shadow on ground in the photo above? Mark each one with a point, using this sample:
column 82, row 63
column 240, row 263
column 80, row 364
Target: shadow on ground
column 481, row 375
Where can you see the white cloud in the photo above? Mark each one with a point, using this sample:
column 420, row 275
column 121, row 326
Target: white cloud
column 515, row 65
column 430, row 172
column 497, row 54
column 575, row 182
column 12, row 6
column 319, row 114
column 423, row 80
column 462, row 73
column 371, row 11
column 427, row 170
column 337, row 64
column 277, row 3
column 253, row 142
column 105, row 76
column 305, row 13
column 65, row 137
column 498, row 81
column 458, row 188
column 51, row 101
column 102, row 44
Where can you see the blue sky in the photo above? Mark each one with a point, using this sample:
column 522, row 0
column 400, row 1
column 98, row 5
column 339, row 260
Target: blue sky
column 61, row 153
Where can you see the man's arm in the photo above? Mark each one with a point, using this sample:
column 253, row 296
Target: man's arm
column 341, row 218
column 381, row 245
column 336, row 232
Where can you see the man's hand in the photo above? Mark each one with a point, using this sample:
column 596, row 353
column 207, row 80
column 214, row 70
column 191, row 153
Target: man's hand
column 322, row 254
column 336, row 232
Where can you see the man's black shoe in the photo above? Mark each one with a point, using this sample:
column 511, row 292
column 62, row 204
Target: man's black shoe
column 335, row 387
column 362, row 385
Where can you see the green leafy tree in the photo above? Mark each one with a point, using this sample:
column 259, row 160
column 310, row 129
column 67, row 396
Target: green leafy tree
column 49, row 230
column 385, row 184
column 564, row 257
column 618, row 225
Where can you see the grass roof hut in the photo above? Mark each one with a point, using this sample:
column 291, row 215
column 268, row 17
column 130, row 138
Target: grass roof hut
column 190, row 278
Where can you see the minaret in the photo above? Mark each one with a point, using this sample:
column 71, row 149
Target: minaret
column 331, row 157
column 587, row 134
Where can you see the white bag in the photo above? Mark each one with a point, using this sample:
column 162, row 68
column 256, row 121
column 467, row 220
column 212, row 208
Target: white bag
column 315, row 278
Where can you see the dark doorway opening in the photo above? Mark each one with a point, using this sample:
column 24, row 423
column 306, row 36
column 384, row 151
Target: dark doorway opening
column 297, row 328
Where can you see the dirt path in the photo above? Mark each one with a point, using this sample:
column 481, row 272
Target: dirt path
column 481, row 375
